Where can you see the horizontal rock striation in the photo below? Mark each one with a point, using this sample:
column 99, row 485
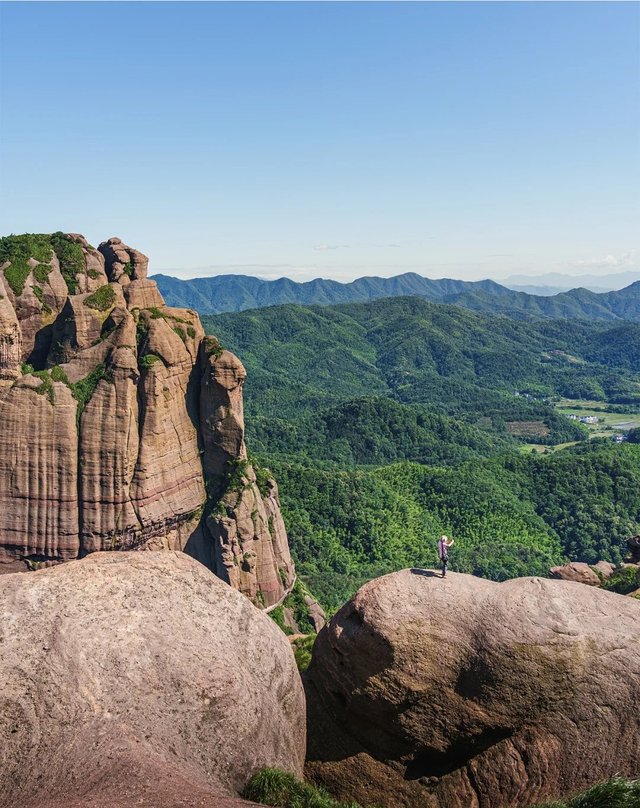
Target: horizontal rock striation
column 123, row 424
column 133, row 679
column 459, row 692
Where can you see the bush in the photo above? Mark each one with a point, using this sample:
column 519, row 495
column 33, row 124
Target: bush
column 84, row 389
column 180, row 332
column 302, row 650
column 283, row 790
column 623, row 581
column 70, row 257
column 212, row 347
column 102, row 299
column 58, row 375
column 149, row 360
column 41, row 272
column 16, row 276
column 277, row 615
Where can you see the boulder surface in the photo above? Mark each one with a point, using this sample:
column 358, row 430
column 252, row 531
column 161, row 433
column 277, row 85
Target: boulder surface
column 576, row 571
column 140, row 679
column 426, row 692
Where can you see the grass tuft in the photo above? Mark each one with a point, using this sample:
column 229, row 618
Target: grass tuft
column 614, row 793
column 281, row 789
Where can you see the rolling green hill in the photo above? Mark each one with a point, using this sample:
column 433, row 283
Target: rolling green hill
column 457, row 363
column 390, row 422
column 223, row 293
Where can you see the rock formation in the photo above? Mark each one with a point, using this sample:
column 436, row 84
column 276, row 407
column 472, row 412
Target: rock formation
column 634, row 550
column 123, row 424
column 133, row 679
column 576, row 571
column 426, row 693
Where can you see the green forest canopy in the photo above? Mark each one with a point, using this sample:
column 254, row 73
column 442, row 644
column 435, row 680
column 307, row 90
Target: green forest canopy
column 388, row 423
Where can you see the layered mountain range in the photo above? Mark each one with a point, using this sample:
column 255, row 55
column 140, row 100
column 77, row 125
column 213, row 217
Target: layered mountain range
column 123, row 424
column 224, row 293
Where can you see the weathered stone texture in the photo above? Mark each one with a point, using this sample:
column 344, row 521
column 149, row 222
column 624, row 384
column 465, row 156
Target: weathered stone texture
column 144, row 417
column 38, row 470
column 135, row 679
column 10, row 339
column 576, row 571
column 430, row 693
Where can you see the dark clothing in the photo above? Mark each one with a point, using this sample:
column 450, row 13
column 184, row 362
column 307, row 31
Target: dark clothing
column 443, row 552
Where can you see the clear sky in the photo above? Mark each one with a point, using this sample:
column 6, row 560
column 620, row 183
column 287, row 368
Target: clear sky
column 328, row 139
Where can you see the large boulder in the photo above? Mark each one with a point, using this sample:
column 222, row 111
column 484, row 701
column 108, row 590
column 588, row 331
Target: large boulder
column 140, row 679
column 460, row 692
column 576, row 571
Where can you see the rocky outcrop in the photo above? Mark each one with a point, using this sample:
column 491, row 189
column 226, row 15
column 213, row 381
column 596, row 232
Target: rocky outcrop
column 634, row 550
column 10, row 339
column 134, row 679
column 125, row 430
column 605, row 568
column 426, row 692
column 576, row 571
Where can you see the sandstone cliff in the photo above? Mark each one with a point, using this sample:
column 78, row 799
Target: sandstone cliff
column 133, row 679
column 123, row 423
column 459, row 693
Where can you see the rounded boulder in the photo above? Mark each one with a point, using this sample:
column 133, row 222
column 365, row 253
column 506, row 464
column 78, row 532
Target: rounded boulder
column 460, row 692
column 140, row 679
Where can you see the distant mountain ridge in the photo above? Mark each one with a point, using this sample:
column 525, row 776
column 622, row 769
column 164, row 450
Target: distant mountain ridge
column 551, row 283
column 228, row 293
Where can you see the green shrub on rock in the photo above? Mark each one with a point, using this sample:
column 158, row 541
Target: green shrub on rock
column 70, row 258
column 623, row 581
column 283, row 790
column 102, row 299
column 614, row 793
column 149, row 360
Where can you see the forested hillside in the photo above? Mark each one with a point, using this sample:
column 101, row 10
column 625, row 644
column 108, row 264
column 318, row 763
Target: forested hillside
column 513, row 515
column 390, row 422
column 223, row 293
column 455, row 362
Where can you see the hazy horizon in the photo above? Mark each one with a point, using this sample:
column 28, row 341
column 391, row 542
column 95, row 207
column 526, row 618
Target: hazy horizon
column 338, row 140
column 555, row 281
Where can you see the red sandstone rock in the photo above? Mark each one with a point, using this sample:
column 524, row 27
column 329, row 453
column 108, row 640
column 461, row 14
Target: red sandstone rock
column 160, row 420
column 575, row 571
column 606, row 568
column 460, row 693
column 10, row 339
column 140, row 679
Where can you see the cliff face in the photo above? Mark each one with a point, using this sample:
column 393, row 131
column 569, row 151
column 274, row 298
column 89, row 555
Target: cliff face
column 122, row 422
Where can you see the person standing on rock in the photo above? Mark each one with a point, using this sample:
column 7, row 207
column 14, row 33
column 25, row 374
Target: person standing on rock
column 443, row 552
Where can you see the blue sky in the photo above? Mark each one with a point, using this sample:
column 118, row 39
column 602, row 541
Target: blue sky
column 328, row 139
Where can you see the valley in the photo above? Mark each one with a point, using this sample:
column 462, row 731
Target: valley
column 144, row 540
column 390, row 422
